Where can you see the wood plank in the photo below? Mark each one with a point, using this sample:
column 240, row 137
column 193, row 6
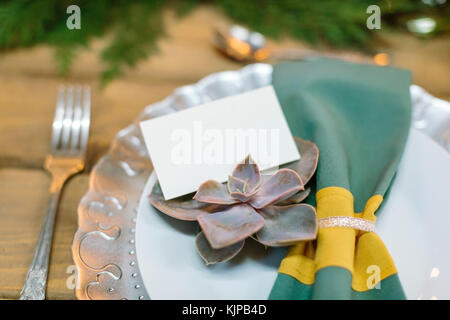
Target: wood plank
column 23, row 200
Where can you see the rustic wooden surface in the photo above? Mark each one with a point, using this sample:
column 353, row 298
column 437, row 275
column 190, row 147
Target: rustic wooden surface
column 28, row 84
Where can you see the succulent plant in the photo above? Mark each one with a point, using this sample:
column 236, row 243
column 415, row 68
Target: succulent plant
column 264, row 207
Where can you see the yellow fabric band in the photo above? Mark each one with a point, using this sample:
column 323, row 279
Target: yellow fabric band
column 362, row 253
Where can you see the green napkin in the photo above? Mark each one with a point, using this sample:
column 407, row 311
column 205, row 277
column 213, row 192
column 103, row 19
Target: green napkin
column 359, row 116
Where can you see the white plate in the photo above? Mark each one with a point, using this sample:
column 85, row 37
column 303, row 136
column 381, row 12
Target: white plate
column 413, row 224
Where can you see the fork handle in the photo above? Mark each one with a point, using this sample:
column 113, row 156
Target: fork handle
column 36, row 280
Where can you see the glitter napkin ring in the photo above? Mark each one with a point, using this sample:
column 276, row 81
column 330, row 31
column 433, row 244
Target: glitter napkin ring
column 347, row 222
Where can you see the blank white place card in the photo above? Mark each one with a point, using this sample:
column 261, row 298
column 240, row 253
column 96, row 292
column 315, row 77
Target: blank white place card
column 207, row 141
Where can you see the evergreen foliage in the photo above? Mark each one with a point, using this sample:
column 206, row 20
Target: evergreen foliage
column 132, row 28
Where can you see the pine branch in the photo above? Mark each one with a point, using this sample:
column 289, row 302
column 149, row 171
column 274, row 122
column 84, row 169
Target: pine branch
column 135, row 38
column 135, row 27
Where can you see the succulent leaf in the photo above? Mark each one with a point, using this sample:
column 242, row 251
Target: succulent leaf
column 230, row 226
column 211, row 255
column 247, row 170
column 283, row 184
column 239, row 189
column 296, row 198
column 307, row 164
column 287, row 225
column 243, row 197
column 236, row 185
column 183, row 208
column 215, row 192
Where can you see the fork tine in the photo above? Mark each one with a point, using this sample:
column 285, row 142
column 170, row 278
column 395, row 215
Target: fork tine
column 85, row 121
column 67, row 122
column 76, row 123
column 58, row 119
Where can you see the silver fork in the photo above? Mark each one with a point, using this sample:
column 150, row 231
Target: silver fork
column 67, row 156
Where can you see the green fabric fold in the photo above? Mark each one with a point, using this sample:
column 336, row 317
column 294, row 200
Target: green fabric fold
column 288, row 288
column 359, row 116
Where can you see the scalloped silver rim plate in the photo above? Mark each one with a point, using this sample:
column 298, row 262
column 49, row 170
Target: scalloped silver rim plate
column 104, row 246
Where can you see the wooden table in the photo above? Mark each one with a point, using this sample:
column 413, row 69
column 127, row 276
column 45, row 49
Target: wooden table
column 28, row 86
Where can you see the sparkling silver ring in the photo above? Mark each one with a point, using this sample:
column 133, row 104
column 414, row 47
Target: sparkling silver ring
column 347, row 222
